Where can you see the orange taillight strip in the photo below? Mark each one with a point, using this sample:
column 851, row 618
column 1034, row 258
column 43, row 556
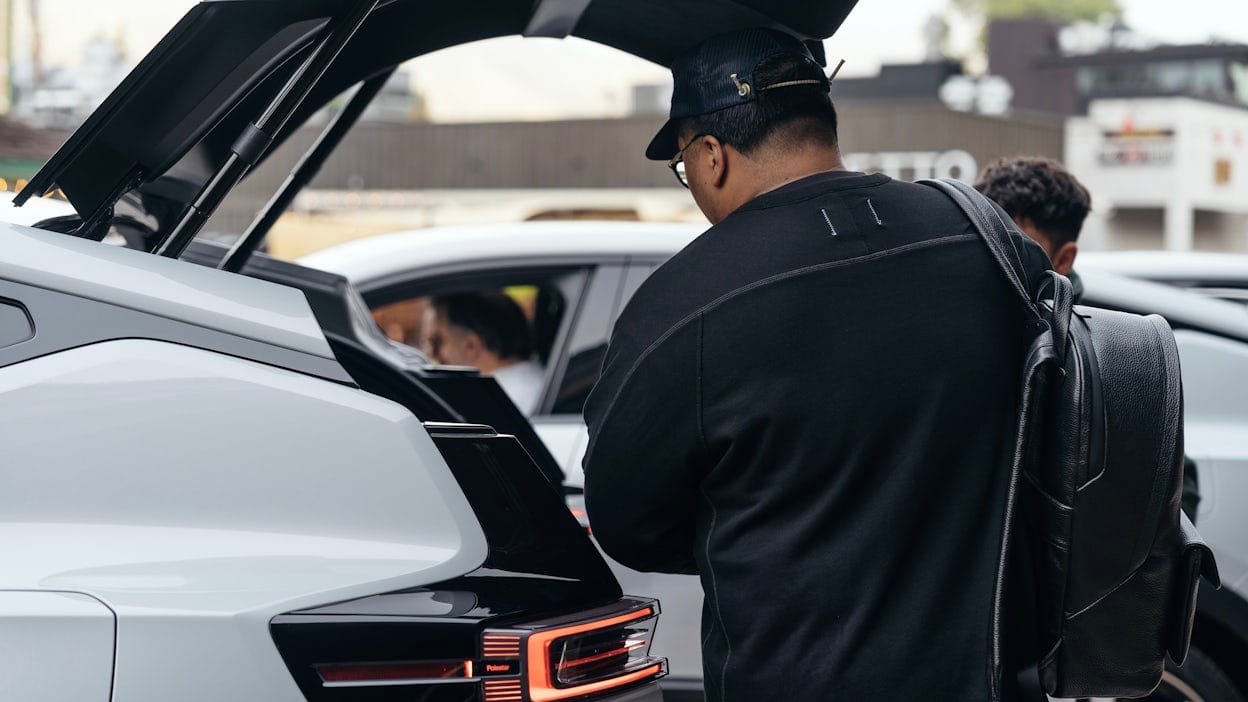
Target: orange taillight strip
column 500, row 646
column 503, row 691
column 542, row 688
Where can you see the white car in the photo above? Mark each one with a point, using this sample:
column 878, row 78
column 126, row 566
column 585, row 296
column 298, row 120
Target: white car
column 33, row 211
column 585, row 272
column 1217, row 275
column 216, row 486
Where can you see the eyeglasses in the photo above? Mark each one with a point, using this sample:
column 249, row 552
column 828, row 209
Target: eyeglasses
column 677, row 164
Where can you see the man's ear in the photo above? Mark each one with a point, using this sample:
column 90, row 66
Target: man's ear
column 472, row 346
column 716, row 156
column 1064, row 257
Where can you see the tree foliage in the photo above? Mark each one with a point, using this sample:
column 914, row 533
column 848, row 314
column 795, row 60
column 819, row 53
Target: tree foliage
column 1068, row 10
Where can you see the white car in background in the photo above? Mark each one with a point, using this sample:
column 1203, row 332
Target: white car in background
column 1217, row 275
column 583, row 273
column 34, row 211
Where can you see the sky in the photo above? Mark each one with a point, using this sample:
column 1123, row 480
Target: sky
column 543, row 78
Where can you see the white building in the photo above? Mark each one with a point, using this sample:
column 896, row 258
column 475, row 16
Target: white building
column 1166, row 173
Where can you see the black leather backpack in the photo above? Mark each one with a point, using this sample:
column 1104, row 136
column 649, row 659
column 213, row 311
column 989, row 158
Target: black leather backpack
column 1095, row 486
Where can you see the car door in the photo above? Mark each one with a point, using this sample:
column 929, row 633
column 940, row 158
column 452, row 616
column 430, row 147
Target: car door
column 560, row 423
column 574, row 368
column 1215, row 383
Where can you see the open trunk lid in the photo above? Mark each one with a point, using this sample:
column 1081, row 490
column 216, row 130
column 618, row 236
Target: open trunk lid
column 168, row 128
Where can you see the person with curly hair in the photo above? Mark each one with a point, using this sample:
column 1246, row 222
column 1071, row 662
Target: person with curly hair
column 1046, row 202
column 1049, row 205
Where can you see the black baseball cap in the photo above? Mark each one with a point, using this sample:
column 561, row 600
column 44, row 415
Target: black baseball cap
column 719, row 74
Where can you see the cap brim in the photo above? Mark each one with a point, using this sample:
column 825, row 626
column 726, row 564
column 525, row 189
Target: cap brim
column 664, row 144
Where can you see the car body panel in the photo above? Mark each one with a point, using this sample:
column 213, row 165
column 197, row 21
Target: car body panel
column 240, row 306
column 567, row 439
column 1166, row 266
column 195, row 528
column 43, row 634
column 1215, row 385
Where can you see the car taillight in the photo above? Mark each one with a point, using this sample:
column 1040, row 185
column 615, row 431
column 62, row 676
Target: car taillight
column 578, row 655
column 575, row 656
column 578, row 660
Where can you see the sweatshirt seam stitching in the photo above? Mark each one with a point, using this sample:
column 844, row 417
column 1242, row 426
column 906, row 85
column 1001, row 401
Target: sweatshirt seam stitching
column 780, row 277
column 719, row 613
column 701, row 423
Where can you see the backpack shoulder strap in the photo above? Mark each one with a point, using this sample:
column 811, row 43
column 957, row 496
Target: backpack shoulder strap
column 987, row 218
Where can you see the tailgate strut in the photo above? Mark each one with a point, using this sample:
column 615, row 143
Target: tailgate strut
column 304, row 172
column 258, row 136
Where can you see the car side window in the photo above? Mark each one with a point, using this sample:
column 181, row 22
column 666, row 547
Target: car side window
column 488, row 304
column 587, row 343
column 637, row 274
column 612, row 288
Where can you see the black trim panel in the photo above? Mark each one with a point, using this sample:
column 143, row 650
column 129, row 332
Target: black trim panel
column 526, row 522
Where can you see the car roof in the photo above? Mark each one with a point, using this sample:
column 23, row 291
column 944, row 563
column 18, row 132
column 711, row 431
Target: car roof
column 1177, row 266
column 1179, row 307
column 374, row 258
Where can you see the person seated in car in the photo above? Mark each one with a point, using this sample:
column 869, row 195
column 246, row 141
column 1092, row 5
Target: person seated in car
column 1049, row 205
column 488, row 331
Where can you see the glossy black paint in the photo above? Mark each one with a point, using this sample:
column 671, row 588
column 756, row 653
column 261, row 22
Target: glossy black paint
column 481, row 399
column 525, row 520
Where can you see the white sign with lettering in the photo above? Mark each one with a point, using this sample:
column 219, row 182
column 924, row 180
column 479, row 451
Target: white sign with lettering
column 916, row 165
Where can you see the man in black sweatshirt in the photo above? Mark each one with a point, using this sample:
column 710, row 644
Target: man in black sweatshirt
column 813, row 404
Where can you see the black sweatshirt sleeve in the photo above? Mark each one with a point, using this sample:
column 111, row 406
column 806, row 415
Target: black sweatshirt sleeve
column 645, row 444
